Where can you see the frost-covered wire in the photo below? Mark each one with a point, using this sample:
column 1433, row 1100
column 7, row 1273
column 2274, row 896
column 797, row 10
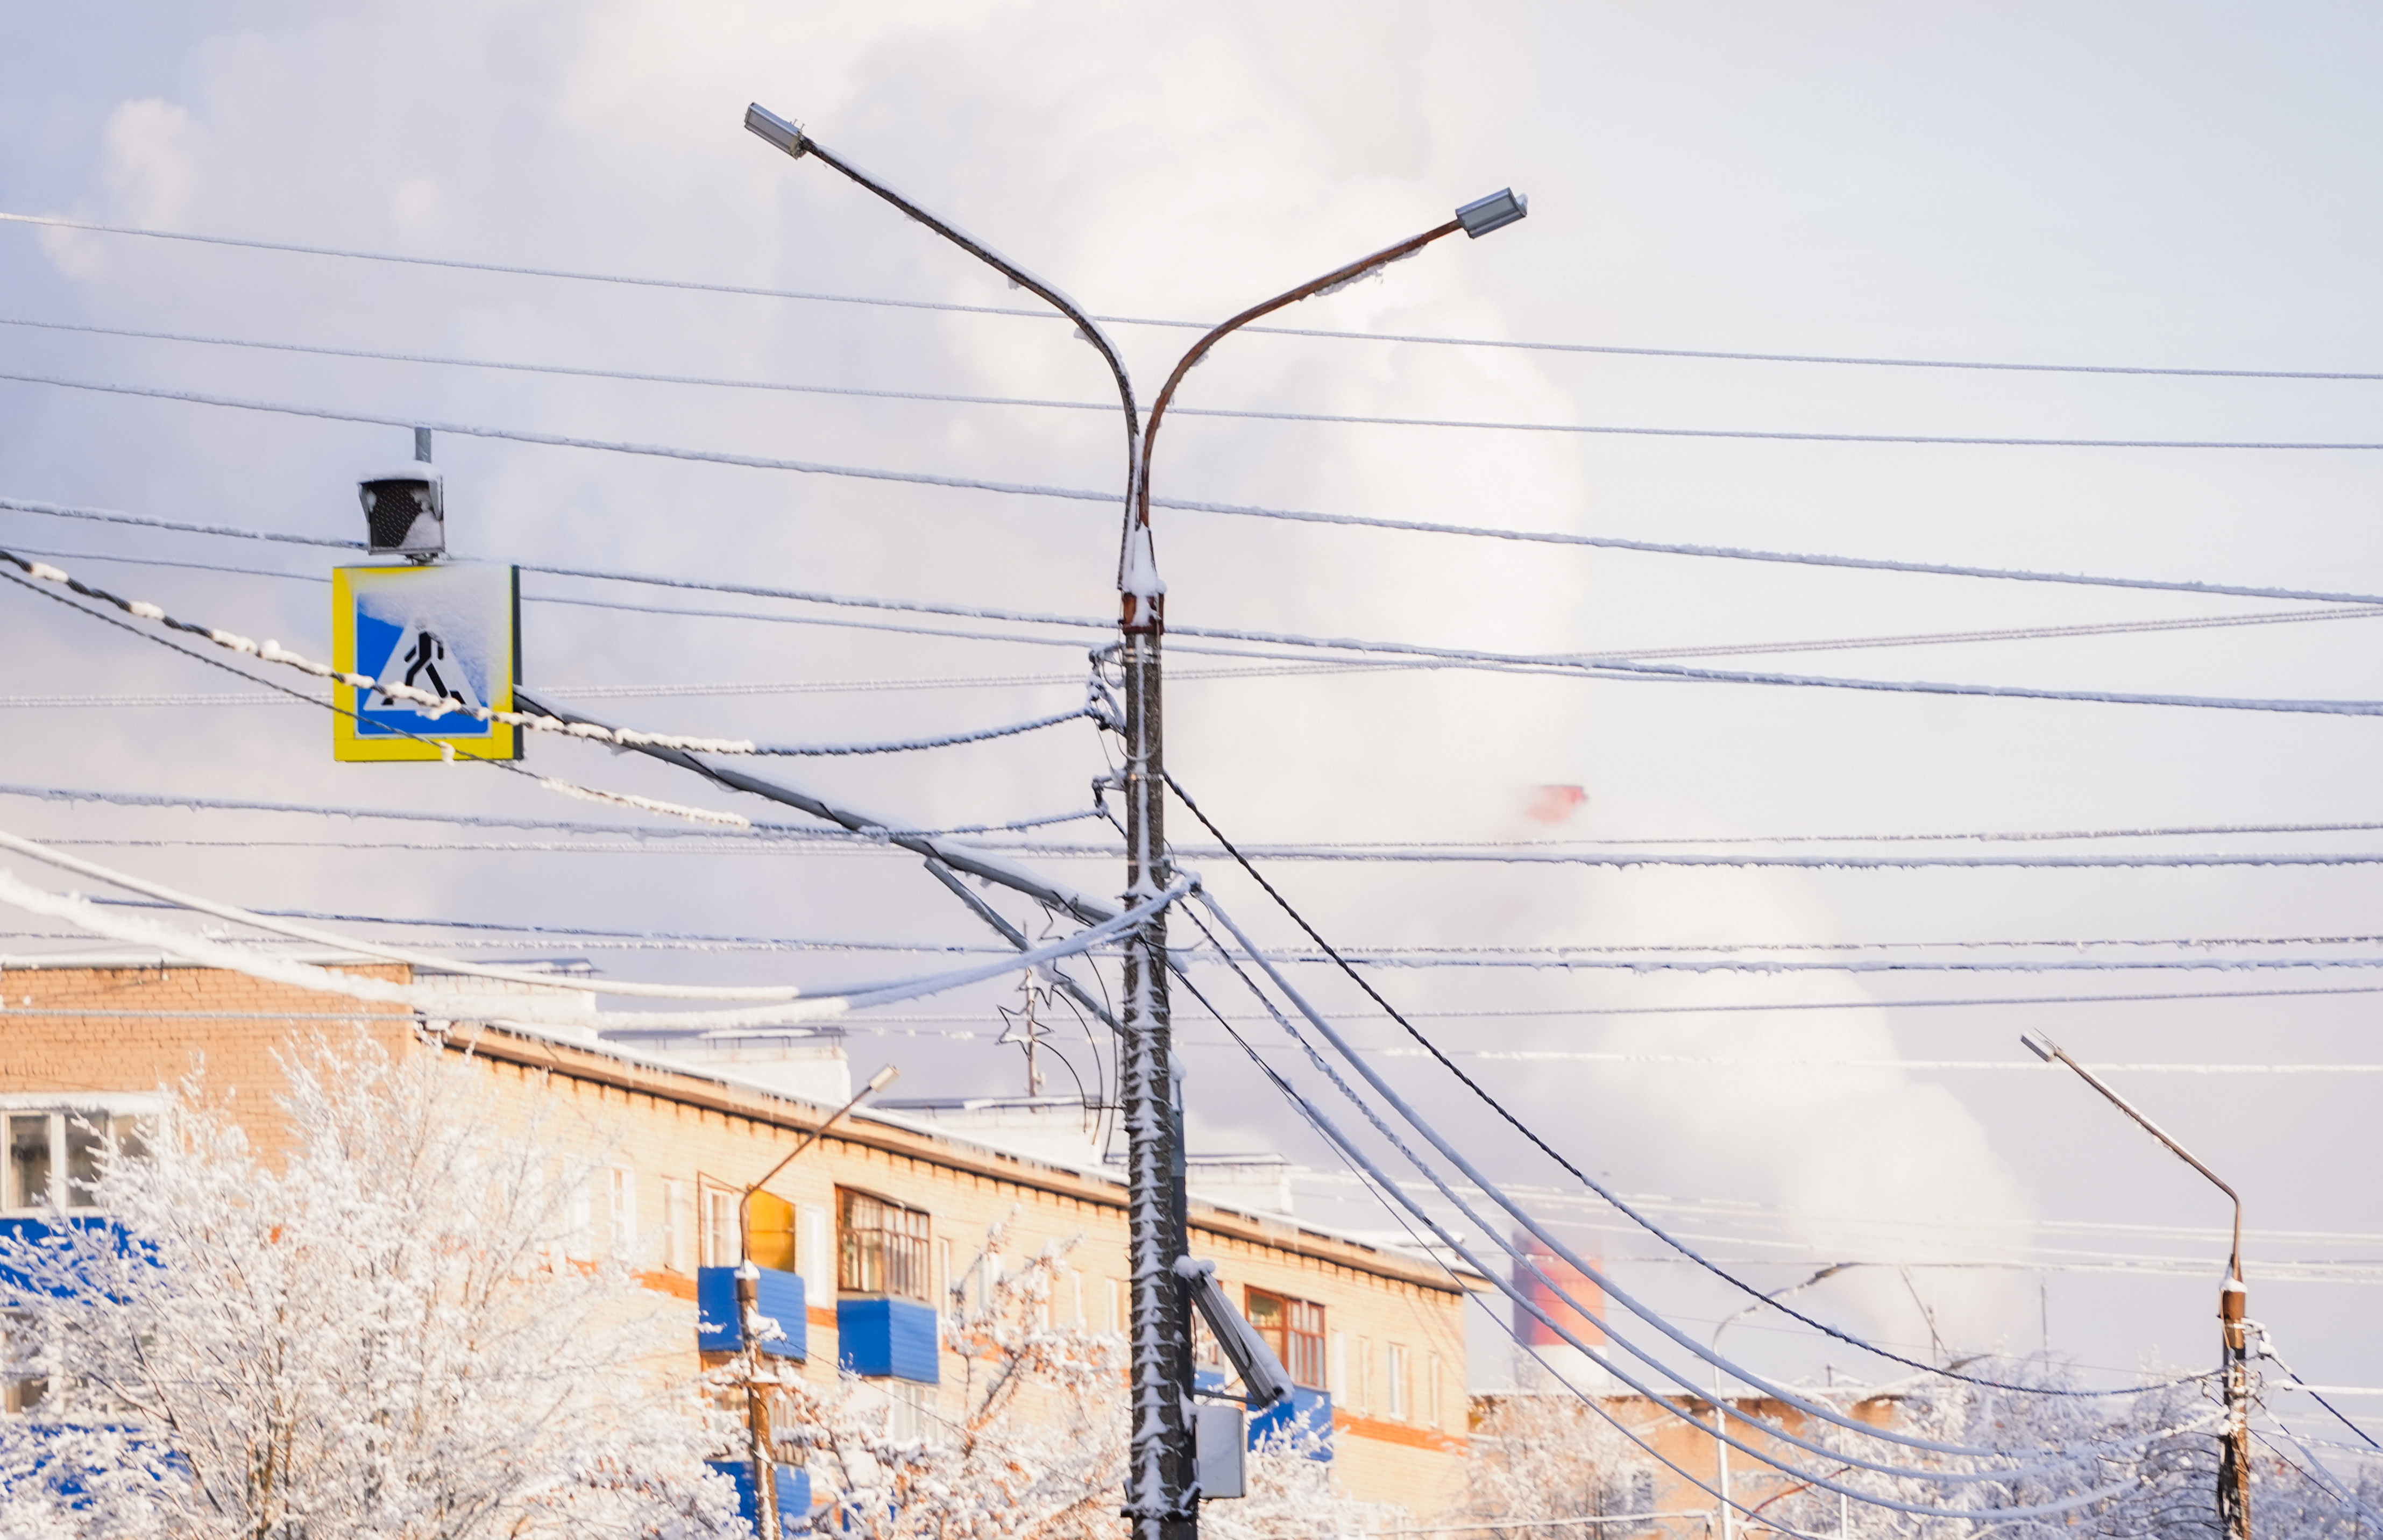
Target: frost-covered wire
column 1557, row 538
column 1482, row 1094
column 490, row 820
column 906, row 746
column 701, row 815
column 1316, row 1119
column 1038, row 403
column 1496, row 1195
column 876, row 473
column 1496, row 1278
column 434, row 706
column 2267, row 1351
column 455, row 1005
column 2006, row 634
column 881, row 302
column 437, row 705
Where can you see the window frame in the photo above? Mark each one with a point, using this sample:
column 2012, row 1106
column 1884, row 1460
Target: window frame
column 891, row 1256
column 115, row 1118
column 1299, row 1339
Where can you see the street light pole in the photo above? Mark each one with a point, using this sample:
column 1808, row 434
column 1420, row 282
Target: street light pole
column 2234, row 1448
column 748, row 1306
column 1165, row 1505
column 1721, row 1445
column 1162, row 1502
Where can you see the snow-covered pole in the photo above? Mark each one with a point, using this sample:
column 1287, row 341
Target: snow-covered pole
column 2233, row 1298
column 756, row 1404
column 1162, row 1500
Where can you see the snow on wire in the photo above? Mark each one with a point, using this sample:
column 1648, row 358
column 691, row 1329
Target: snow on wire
column 788, row 1004
column 437, row 705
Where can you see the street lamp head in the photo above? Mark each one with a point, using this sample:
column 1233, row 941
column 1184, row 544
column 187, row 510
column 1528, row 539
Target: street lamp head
column 2039, row 1045
column 1480, row 216
column 777, row 131
column 882, row 1078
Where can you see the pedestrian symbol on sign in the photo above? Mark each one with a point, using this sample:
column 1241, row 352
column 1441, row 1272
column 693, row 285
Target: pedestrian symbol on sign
column 450, row 631
column 424, row 665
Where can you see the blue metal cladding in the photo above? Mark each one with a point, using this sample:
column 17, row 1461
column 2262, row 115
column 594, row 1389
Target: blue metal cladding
column 1300, row 1412
column 888, row 1339
column 38, row 1235
column 794, row 1493
column 719, row 1329
column 1297, row 1415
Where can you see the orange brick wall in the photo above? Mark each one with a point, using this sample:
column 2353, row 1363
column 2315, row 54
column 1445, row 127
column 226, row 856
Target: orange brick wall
column 663, row 1125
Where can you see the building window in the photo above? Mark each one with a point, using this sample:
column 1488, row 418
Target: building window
column 1394, row 1370
column 882, row 1247
column 678, row 1225
column 22, row 1385
column 53, row 1157
column 621, row 1212
column 1294, row 1329
column 721, row 1245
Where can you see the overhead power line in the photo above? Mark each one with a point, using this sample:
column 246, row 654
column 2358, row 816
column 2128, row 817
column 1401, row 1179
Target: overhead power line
column 1583, row 664
column 880, row 302
column 964, row 399
column 1290, row 667
column 525, row 435
column 1528, row 536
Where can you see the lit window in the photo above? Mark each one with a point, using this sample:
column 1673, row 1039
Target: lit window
column 882, row 1247
column 1294, row 1329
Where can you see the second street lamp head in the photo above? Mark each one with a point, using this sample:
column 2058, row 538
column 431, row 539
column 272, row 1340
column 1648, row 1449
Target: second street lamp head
column 2039, row 1045
column 777, row 131
column 1496, row 212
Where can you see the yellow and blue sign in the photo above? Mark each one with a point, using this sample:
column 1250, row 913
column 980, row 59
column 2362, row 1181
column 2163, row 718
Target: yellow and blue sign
column 452, row 630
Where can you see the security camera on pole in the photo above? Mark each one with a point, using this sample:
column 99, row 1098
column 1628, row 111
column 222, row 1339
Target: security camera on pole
column 427, row 648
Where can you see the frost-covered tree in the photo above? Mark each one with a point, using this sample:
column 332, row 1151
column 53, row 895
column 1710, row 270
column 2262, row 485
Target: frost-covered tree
column 1547, row 1456
column 2154, row 1452
column 1292, row 1496
column 1034, row 1450
column 1032, row 1443
column 384, row 1334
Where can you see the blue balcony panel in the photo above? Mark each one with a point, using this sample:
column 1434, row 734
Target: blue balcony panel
column 794, row 1494
column 1297, row 1415
column 880, row 1339
column 719, row 1329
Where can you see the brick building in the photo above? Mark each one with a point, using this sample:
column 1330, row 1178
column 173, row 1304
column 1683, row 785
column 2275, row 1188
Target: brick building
column 872, row 1225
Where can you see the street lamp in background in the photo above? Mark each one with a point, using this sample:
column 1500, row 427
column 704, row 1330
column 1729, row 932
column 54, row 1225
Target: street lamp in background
column 1162, row 1500
column 749, row 1308
column 1721, row 1415
column 2234, row 1450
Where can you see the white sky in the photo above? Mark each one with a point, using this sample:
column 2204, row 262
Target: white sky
column 2125, row 184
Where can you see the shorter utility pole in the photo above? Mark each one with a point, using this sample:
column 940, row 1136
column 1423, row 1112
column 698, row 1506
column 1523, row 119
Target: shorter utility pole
column 749, row 1312
column 2234, row 1445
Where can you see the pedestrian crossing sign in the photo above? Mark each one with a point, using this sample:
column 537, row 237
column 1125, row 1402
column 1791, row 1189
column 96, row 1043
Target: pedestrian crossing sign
column 450, row 631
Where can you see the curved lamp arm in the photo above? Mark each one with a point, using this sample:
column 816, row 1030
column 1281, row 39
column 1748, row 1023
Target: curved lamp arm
column 1477, row 218
column 2049, row 1052
column 790, row 138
